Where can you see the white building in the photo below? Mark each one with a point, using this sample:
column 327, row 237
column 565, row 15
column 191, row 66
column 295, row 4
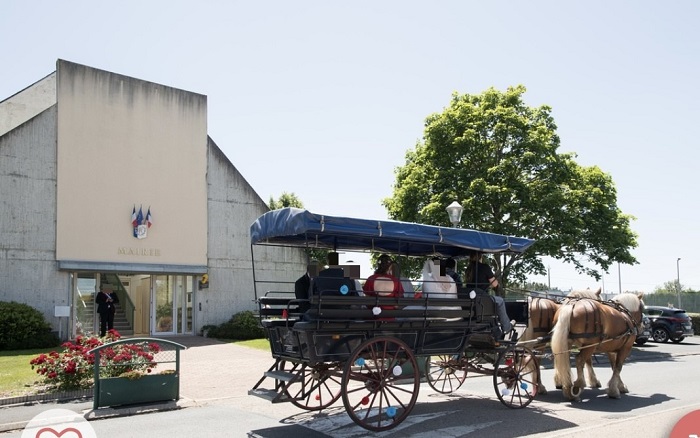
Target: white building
column 80, row 151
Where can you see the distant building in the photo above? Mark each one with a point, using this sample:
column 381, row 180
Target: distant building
column 106, row 178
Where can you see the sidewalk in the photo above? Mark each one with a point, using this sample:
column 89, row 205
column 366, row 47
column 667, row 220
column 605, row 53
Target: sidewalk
column 209, row 370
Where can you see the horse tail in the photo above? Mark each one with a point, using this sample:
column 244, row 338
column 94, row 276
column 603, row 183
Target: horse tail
column 560, row 345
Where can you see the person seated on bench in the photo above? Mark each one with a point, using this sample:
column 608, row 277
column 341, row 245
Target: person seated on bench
column 382, row 283
column 302, row 287
column 406, row 284
column 480, row 278
column 437, row 285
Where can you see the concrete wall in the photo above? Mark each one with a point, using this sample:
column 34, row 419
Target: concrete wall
column 28, row 269
column 125, row 142
column 28, row 103
column 233, row 207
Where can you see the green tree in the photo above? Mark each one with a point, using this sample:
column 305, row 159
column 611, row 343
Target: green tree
column 285, row 200
column 292, row 200
column 498, row 158
column 669, row 287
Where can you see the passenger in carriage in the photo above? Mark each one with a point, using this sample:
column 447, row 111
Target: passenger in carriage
column 480, row 278
column 302, row 287
column 382, row 283
column 408, row 290
column 451, row 270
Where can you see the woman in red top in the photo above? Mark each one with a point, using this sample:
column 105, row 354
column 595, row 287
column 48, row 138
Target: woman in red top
column 382, row 283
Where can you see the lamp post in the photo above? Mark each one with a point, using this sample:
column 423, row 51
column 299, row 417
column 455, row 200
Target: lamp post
column 619, row 279
column 454, row 211
column 678, row 280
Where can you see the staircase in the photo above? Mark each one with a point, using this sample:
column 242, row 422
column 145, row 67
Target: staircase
column 121, row 324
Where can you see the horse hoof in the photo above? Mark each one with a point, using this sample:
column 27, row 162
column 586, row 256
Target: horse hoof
column 542, row 390
column 576, row 391
column 558, row 386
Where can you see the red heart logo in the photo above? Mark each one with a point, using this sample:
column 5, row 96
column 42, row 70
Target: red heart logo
column 58, row 434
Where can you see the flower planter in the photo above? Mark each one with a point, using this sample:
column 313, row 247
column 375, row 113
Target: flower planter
column 116, row 391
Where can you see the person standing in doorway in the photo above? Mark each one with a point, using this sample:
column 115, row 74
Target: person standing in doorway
column 106, row 300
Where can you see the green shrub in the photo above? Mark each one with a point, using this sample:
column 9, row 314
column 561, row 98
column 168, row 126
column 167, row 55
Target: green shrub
column 23, row 327
column 242, row 326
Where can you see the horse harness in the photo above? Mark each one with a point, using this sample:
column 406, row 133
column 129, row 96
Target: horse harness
column 546, row 315
column 595, row 323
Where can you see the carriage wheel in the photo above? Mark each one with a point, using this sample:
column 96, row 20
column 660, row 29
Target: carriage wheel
column 515, row 377
column 316, row 388
column 379, row 389
column 445, row 373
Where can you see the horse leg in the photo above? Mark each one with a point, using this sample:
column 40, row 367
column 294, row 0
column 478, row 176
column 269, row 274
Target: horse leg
column 616, row 386
column 540, row 386
column 615, row 381
column 592, row 379
column 581, row 359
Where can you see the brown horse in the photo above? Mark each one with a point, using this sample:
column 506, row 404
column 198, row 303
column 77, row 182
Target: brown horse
column 591, row 325
column 541, row 321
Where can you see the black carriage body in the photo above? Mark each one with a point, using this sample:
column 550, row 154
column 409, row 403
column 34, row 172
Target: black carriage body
column 334, row 326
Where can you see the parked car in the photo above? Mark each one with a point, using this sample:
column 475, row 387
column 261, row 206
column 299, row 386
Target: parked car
column 645, row 334
column 669, row 323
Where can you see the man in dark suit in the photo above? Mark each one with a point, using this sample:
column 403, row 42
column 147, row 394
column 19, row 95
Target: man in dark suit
column 106, row 299
column 302, row 287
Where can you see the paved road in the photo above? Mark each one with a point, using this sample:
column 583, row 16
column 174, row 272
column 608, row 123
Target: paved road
column 216, row 378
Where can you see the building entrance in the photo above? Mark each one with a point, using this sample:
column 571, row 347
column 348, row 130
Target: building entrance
column 148, row 304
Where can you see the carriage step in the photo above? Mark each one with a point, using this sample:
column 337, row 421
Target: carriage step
column 280, row 375
column 269, row 394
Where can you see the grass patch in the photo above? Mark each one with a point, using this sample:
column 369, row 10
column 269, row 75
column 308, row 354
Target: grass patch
column 16, row 375
column 258, row 344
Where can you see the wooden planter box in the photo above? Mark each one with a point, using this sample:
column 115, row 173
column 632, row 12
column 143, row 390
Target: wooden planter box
column 116, row 391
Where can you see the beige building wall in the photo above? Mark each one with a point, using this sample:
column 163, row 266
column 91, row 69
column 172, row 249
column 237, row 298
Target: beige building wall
column 123, row 142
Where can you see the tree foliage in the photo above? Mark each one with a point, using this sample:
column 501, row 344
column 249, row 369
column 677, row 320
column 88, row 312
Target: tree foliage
column 499, row 159
column 285, row 200
column 292, row 200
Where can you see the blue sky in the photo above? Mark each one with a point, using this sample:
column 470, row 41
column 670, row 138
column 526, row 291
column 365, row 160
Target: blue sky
column 324, row 98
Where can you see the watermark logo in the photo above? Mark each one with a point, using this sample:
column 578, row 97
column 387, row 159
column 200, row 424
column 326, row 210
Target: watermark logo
column 688, row 426
column 58, row 423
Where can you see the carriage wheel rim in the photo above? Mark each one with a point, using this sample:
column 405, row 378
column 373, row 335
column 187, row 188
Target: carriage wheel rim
column 515, row 377
column 375, row 397
column 447, row 376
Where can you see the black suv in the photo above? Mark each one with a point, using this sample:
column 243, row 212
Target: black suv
column 645, row 334
column 669, row 323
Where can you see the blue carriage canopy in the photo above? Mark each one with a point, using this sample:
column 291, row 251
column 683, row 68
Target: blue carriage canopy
column 301, row 228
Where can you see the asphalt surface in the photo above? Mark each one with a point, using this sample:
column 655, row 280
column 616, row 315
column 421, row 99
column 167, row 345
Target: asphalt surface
column 209, row 370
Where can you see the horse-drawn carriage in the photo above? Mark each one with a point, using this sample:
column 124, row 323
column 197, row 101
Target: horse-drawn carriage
column 374, row 351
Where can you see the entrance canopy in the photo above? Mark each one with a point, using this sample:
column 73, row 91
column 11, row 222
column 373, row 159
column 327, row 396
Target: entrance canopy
column 301, row 228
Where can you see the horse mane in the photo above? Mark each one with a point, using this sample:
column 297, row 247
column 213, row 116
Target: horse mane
column 629, row 300
column 587, row 293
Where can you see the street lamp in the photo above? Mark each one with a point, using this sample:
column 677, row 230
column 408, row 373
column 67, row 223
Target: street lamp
column 454, row 211
column 619, row 279
column 678, row 280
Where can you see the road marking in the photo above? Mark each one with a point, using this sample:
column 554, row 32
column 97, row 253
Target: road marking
column 340, row 425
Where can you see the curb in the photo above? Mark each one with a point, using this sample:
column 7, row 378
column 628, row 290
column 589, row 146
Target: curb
column 48, row 397
column 98, row 414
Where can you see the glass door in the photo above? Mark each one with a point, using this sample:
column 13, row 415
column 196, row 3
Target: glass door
column 163, row 315
column 171, row 312
column 84, row 303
